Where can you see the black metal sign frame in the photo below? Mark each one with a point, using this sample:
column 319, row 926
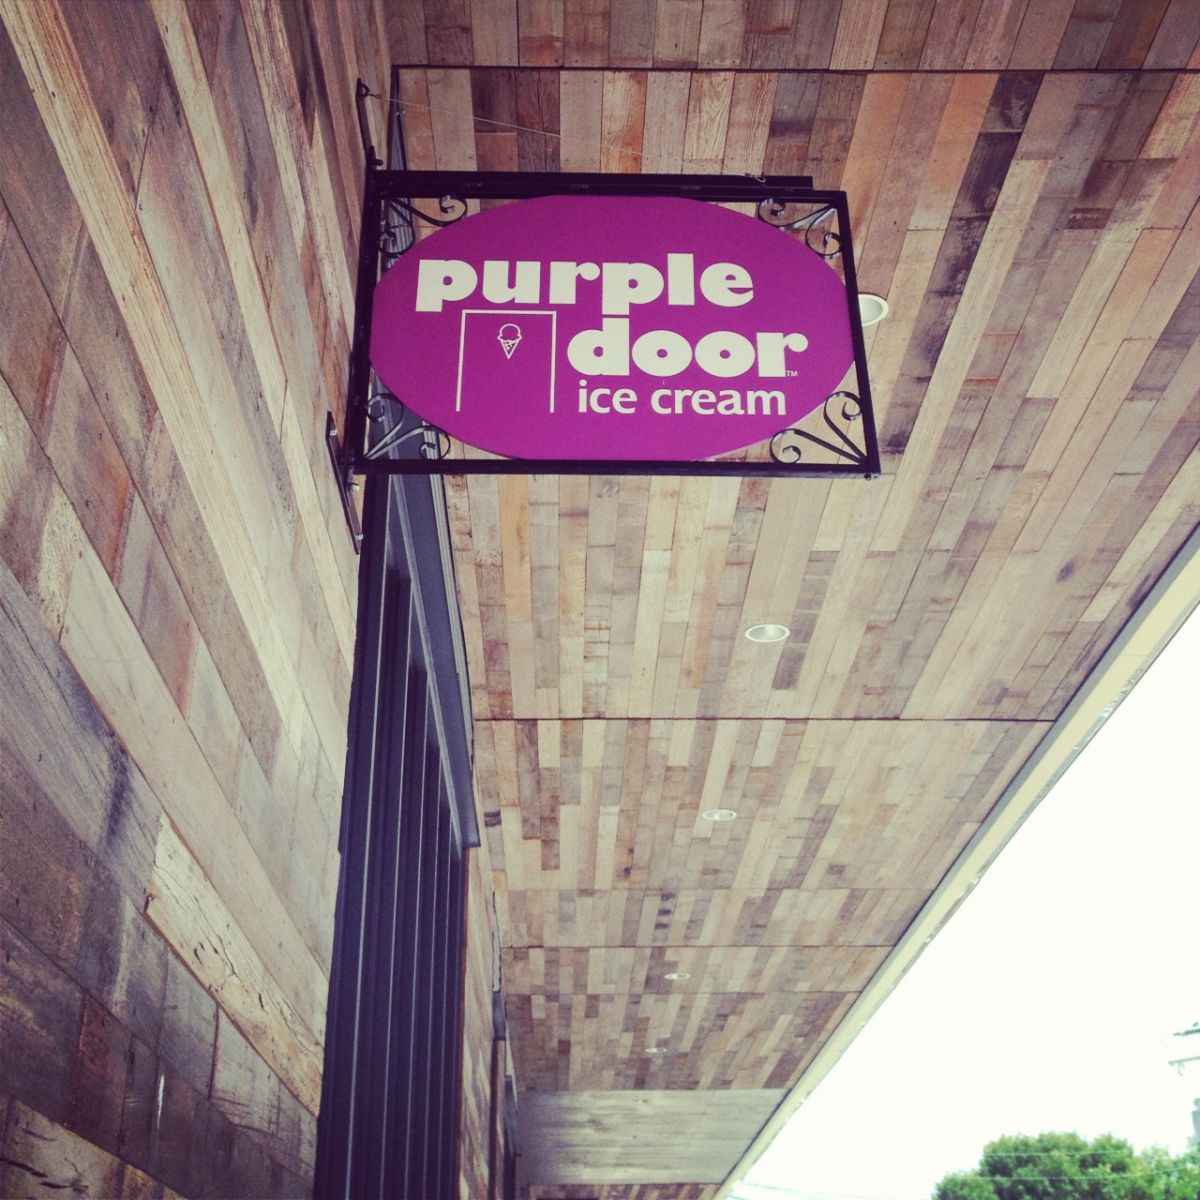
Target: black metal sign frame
column 843, row 431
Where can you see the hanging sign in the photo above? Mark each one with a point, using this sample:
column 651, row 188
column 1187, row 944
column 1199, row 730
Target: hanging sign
column 611, row 327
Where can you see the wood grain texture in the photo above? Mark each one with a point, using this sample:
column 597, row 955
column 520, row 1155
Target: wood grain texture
column 178, row 586
column 1032, row 222
column 854, row 35
column 40, row 1154
column 648, row 1136
column 184, row 907
column 1023, row 178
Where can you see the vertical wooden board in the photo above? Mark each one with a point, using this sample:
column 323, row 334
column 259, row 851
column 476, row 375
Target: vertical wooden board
column 666, row 121
column 29, row 172
column 494, row 31
column 538, row 140
column 1040, row 34
column 282, row 107
column 1176, row 121
column 189, row 1025
column 1131, row 35
column 496, row 133
column 39, row 532
column 292, row 81
column 581, row 105
column 450, row 117
column 624, row 114
column 631, row 32
column 995, row 256
column 152, row 596
column 336, row 145
column 373, row 51
column 541, row 32
column 544, row 582
column 954, row 145
column 585, row 33
column 1085, row 35
column 133, row 986
column 902, row 38
column 31, row 340
column 183, row 906
column 87, row 462
column 677, row 33
column 249, row 1094
column 572, row 591
column 40, row 1015
column 722, row 33
column 126, row 70
column 322, row 557
column 770, row 28
column 860, row 25
column 405, row 25
column 749, row 124
column 180, row 1132
column 44, row 866
column 98, row 1080
column 796, row 97
column 881, row 247
column 864, row 177
column 949, row 35
column 294, row 36
column 1176, row 38
column 994, row 35
column 101, row 342
column 493, row 102
column 832, row 128
column 709, row 101
column 413, row 100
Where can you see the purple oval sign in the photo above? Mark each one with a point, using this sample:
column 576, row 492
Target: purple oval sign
column 591, row 328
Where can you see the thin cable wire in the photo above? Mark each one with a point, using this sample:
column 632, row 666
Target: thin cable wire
column 618, row 147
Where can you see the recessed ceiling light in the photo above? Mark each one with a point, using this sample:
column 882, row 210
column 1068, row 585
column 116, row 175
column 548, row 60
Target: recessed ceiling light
column 673, row 975
column 768, row 633
column 871, row 308
column 718, row 814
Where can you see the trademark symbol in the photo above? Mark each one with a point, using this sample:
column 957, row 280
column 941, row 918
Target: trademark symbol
column 791, row 373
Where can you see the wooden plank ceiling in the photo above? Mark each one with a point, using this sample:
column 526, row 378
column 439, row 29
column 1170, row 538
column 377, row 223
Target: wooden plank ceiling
column 1022, row 179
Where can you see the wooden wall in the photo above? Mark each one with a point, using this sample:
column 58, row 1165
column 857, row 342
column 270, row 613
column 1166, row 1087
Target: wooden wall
column 178, row 209
column 803, row 35
column 664, row 1135
column 1022, row 178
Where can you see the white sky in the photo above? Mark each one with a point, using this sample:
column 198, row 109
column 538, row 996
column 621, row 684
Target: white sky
column 1049, row 999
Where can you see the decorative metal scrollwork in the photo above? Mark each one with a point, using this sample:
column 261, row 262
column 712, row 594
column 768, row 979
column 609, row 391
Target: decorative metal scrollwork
column 396, row 234
column 452, row 208
column 841, row 419
column 818, row 237
column 431, row 442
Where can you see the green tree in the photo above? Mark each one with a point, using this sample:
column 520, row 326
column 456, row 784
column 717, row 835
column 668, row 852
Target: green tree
column 1064, row 1166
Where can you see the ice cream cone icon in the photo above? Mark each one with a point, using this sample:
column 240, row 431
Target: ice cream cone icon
column 509, row 337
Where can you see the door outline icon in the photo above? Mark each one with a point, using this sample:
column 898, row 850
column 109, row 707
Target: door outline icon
column 506, row 313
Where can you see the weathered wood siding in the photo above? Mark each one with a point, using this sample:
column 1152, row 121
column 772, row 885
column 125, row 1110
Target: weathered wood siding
column 178, row 223
column 1022, row 178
